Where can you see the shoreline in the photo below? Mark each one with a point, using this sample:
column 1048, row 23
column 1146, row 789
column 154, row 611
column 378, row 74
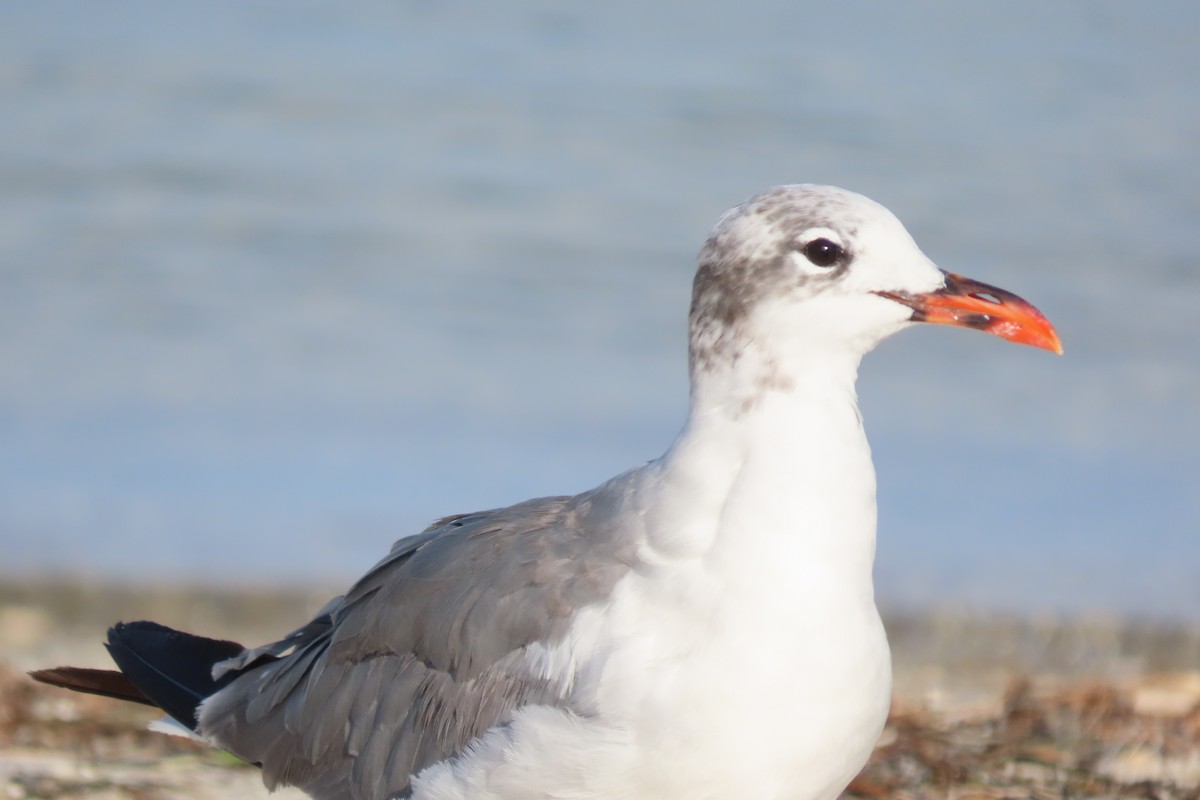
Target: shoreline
column 37, row 615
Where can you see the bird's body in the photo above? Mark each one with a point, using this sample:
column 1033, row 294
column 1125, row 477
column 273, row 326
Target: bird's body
column 703, row 626
column 733, row 653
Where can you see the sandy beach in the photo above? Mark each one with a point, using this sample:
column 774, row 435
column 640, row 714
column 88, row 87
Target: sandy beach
column 984, row 707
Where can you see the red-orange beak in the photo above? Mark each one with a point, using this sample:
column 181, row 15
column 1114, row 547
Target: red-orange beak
column 971, row 304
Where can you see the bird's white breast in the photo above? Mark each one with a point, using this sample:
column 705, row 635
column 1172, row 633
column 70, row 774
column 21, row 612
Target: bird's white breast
column 749, row 664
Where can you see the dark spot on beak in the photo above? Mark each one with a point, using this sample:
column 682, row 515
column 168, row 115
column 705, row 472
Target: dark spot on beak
column 977, row 321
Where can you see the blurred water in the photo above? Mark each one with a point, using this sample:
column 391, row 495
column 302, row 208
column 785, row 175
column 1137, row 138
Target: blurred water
column 283, row 281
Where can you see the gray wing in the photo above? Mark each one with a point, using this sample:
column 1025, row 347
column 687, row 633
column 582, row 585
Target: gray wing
column 423, row 654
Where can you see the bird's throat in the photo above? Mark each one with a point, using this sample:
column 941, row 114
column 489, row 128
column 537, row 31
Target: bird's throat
column 786, row 478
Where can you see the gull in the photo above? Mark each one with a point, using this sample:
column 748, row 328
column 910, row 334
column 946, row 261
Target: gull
column 701, row 626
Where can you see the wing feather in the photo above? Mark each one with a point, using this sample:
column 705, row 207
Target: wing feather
column 422, row 655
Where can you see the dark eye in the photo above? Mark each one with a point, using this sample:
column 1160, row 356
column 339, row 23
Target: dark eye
column 823, row 252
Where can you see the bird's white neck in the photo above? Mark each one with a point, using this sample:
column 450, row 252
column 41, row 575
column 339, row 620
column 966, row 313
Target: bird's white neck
column 772, row 464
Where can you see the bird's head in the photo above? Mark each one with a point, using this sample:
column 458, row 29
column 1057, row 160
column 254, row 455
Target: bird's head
column 808, row 272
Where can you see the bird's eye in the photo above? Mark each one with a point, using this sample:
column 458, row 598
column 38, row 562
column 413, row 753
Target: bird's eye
column 823, row 252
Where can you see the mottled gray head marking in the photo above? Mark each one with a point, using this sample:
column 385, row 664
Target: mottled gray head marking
column 756, row 252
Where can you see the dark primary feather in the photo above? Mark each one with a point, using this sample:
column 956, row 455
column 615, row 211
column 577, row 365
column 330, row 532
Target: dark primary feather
column 104, row 682
column 159, row 667
column 425, row 652
column 171, row 668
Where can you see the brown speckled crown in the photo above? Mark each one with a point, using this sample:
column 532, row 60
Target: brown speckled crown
column 746, row 260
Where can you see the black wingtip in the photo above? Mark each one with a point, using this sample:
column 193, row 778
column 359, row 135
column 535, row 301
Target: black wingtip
column 172, row 669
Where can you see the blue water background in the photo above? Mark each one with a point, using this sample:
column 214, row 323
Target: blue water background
column 283, row 281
